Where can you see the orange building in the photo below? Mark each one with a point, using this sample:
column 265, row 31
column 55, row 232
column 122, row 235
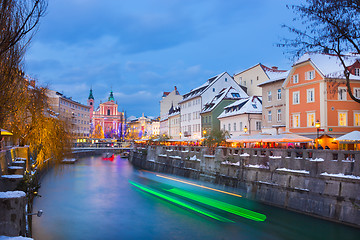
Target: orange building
column 316, row 91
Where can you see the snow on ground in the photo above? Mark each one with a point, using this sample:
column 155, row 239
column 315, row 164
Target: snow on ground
column 176, row 157
column 274, row 156
column 12, row 176
column 316, row 160
column 194, row 158
column 15, row 167
column 19, row 161
column 15, row 238
column 340, row 175
column 293, row 170
column 231, row 163
column 244, row 155
column 162, row 155
column 257, row 166
column 12, row 194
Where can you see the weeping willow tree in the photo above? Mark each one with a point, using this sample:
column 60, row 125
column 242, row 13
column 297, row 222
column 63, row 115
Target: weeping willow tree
column 33, row 123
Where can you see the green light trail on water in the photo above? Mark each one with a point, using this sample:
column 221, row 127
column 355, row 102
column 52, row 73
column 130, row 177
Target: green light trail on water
column 242, row 212
column 183, row 204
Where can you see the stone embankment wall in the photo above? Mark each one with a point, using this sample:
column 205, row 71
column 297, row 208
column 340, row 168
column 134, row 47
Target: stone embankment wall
column 322, row 183
column 13, row 163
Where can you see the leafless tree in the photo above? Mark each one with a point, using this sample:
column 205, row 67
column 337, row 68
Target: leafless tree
column 18, row 22
column 331, row 26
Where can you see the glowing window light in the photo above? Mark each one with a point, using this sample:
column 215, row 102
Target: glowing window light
column 196, row 185
column 173, row 200
column 242, row 212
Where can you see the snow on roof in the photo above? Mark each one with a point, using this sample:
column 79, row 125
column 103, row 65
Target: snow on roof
column 276, row 77
column 329, row 65
column 248, row 105
column 226, row 93
column 273, row 72
column 199, row 90
column 131, row 118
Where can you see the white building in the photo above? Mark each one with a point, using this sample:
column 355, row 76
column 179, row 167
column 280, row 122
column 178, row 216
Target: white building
column 72, row 112
column 174, row 122
column 255, row 75
column 242, row 116
column 194, row 101
column 168, row 99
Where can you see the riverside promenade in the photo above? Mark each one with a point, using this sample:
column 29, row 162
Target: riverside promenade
column 321, row 183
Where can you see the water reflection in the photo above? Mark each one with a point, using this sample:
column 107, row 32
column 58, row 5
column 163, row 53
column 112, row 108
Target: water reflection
column 93, row 199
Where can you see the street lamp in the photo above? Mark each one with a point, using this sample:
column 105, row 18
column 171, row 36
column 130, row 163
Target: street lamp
column 317, row 125
column 204, row 133
column 245, row 129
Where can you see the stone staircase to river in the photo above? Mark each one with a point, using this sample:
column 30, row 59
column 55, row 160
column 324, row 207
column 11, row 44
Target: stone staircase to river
column 12, row 202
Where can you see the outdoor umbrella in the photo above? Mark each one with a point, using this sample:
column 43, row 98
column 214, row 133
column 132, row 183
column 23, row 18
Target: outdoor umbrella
column 351, row 137
column 5, row 132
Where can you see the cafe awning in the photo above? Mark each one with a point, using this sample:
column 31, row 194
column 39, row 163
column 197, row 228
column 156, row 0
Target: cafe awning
column 263, row 137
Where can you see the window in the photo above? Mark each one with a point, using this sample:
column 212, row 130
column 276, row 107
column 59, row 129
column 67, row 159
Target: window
column 189, row 104
column 279, row 94
column 356, row 119
column 225, row 79
column 356, row 92
column 213, row 89
column 189, row 117
column 310, row 95
column 269, row 96
column 209, row 119
column 257, row 78
column 342, row 93
column 240, row 126
column 258, row 125
column 244, row 82
column 295, row 78
column 224, row 127
column 342, row 117
column 310, row 75
column 278, row 115
column 311, row 119
column 269, row 116
column 234, row 127
column 251, row 82
column 296, row 120
column 229, row 127
column 357, row 71
column 235, row 95
column 296, row 97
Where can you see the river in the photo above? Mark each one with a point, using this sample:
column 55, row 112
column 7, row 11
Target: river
column 102, row 199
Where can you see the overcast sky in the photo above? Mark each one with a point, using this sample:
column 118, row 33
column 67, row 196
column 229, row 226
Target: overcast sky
column 141, row 48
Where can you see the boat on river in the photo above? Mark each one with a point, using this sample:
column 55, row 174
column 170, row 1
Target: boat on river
column 124, row 155
column 108, row 156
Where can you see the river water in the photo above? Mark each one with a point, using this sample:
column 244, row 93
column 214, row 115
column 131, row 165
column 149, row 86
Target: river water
column 102, row 199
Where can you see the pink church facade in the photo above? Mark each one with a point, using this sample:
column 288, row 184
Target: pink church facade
column 107, row 115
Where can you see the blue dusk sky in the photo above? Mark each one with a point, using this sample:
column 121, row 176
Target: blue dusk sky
column 141, row 48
